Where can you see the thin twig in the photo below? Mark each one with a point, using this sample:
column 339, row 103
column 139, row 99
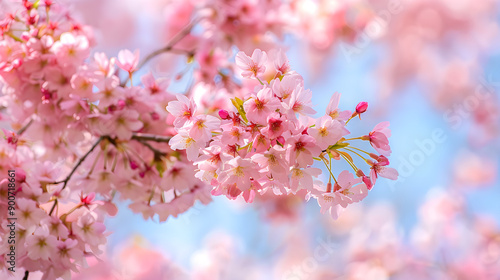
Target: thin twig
column 153, row 149
column 23, row 129
column 80, row 161
column 53, row 207
column 150, row 137
column 179, row 36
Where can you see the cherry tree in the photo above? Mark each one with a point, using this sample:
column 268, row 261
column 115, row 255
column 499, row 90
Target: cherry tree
column 85, row 130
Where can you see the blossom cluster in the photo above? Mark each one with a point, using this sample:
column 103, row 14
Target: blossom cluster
column 83, row 132
column 269, row 141
column 80, row 138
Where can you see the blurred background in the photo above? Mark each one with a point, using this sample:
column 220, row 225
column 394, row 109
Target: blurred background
column 430, row 67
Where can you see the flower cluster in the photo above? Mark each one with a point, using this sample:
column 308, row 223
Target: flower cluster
column 84, row 138
column 269, row 141
column 84, row 132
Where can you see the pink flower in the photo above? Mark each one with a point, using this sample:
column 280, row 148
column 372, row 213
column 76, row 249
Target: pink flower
column 89, row 230
column 302, row 178
column 41, row 245
column 127, row 60
column 301, row 149
column 348, row 190
column 234, row 135
column 327, row 131
column 272, row 161
column 333, row 111
column 71, row 49
column 300, row 102
column 380, row 168
column 28, row 214
column 154, row 86
column 281, row 63
column 379, row 138
column 180, row 176
column 183, row 109
column 251, row 66
column 182, row 141
column 200, row 127
column 276, row 125
column 259, row 107
column 239, row 171
column 123, row 123
column 67, row 251
column 260, row 143
column 283, row 88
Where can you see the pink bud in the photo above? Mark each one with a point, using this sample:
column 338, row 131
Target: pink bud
column 223, row 114
column 368, row 182
column 155, row 116
column 20, row 176
column 383, row 161
column 360, row 173
column 361, row 107
column 133, row 165
column 281, row 140
column 121, row 104
column 88, row 199
column 374, row 156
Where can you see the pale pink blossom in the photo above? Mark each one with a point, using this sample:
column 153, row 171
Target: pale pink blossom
column 327, row 131
column 183, row 109
column 260, row 106
column 300, row 102
column 301, row 149
column 41, row 245
column 182, row 141
column 379, row 138
column 333, row 110
column 251, row 66
column 71, row 49
column 127, row 60
column 380, row 168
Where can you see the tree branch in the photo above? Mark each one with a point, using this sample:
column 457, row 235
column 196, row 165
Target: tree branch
column 80, row 161
column 157, row 153
column 169, row 47
column 150, row 137
column 23, row 129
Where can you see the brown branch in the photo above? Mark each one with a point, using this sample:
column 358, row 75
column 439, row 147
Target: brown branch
column 157, row 153
column 23, row 129
column 80, row 161
column 169, row 47
column 150, row 137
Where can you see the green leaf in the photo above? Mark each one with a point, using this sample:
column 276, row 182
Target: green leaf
column 238, row 104
column 338, row 146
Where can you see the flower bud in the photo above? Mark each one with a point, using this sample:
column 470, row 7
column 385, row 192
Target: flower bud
column 281, row 140
column 223, row 114
column 361, row 107
column 133, row 165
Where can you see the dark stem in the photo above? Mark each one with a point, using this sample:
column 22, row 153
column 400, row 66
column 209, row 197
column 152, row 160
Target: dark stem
column 23, row 129
column 169, row 47
column 53, row 207
column 157, row 153
column 150, row 137
column 80, row 161
column 26, row 274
